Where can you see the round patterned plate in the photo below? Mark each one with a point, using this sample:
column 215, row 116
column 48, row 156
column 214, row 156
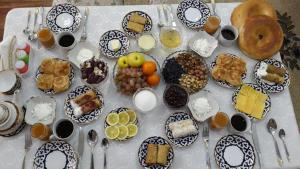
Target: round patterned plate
column 147, row 26
column 111, row 35
column 182, row 141
column 234, row 152
column 51, row 91
column 86, row 118
column 193, row 14
column 270, row 86
column 258, row 88
column 21, row 127
column 63, row 17
column 55, row 154
column 143, row 152
column 119, row 110
column 224, row 83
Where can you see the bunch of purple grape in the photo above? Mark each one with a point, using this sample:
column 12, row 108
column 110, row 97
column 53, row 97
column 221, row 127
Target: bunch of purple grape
column 129, row 80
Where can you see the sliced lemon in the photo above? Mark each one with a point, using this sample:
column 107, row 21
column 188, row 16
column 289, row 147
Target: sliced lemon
column 123, row 118
column 132, row 116
column 123, row 132
column 112, row 132
column 132, row 130
column 112, row 119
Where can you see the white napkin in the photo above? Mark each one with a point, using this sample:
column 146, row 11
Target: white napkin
column 4, row 52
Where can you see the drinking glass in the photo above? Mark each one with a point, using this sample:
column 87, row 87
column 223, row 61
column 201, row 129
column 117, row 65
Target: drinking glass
column 46, row 37
column 41, row 131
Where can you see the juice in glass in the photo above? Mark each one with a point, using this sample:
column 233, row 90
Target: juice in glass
column 46, row 38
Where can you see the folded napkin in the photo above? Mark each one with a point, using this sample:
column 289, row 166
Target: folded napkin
column 4, row 53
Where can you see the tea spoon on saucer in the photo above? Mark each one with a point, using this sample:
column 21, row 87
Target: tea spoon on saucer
column 92, row 140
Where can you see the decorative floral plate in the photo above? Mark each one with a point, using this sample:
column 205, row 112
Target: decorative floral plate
column 234, row 152
column 63, row 17
column 86, row 118
column 182, row 141
column 20, row 128
column 111, row 35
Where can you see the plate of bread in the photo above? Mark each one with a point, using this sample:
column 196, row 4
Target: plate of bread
column 136, row 22
column 54, row 75
column 155, row 153
column 271, row 75
column 228, row 70
column 84, row 104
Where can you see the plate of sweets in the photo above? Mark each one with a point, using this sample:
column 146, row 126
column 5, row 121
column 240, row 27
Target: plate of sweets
column 136, row 22
column 54, row 75
column 134, row 71
column 228, row 70
column 121, row 124
column 187, row 69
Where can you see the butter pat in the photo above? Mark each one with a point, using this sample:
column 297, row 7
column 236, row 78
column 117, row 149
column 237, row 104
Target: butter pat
column 114, row 45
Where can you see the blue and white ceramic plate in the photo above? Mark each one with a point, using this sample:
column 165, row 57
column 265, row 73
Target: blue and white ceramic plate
column 272, row 87
column 258, row 88
column 193, row 13
column 63, row 17
column 234, row 152
column 86, row 118
column 224, row 83
column 143, row 152
column 182, row 141
column 51, row 91
column 109, row 36
column 55, row 154
column 147, row 26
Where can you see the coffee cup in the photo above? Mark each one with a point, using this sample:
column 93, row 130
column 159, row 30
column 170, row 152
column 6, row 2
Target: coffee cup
column 228, row 35
column 66, row 40
column 10, row 82
column 239, row 123
column 63, row 129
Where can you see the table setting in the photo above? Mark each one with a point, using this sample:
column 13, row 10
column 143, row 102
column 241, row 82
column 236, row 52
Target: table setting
column 188, row 85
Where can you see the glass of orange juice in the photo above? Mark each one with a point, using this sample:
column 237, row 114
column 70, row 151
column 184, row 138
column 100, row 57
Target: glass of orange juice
column 41, row 131
column 212, row 24
column 46, row 38
column 219, row 121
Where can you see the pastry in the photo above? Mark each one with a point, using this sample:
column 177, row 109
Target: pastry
column 81, row 99
column 61, row 83
column 47, row 66
column 276, row 70
column 182, row 128
column 136, row 27
column 45, row 81
column 135, row 17
column 162, row 154
column 151, row 157
column 62, row 68
column 271, row 73
column 90, row 106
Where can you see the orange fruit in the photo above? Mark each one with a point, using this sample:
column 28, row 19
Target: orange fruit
column 153, row 80
column 148, row 67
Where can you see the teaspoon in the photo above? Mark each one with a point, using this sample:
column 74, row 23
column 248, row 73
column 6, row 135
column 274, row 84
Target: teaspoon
column 92, row 140
column 282, row 137
column 105, row 144
column 272, row 127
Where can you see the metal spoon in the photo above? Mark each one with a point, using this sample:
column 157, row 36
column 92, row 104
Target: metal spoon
column 33, row 34
column 92, row 140
column 272, row 127
column 84, row 34
column 26, row 30
column 105, row 144
column 282, row 137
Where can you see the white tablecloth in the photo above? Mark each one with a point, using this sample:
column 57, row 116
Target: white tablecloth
column 123, row 155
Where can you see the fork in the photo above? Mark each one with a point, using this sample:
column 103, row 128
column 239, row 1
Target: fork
column 205, row 136
column 84, row 35
column 28, row 144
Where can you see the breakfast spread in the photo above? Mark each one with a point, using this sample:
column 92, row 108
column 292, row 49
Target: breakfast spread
column 94, row 71
column 229, row 68
column 157, row 154
column 271, row 73
column 136, row 23
column 182, row 128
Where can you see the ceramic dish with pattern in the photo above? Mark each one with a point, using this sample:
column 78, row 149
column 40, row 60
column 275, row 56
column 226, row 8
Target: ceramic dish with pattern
column 20, row 128
column 85, row 118
column 143, row 152
column 193, row 14
column 234, row 152
column 55, row 154
column 114, row 38
column 63, row 17
column 147, row 27
column 51, row 91
column 181, row 141
column 224, row 83
column 258, row 88
column 268, row 86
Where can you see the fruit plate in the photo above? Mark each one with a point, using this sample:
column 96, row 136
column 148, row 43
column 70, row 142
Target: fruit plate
column 224, row 83
column 136, row 73
column 118, row 111
column 143, row 152
column 270, row 86
column 258, row 88
column 86, row 118
column 51, row 91
column 181, row 141
column 182, row 73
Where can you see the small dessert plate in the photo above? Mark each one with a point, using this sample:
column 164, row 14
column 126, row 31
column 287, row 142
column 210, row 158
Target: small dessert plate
column 32, row 106
column 203, row 44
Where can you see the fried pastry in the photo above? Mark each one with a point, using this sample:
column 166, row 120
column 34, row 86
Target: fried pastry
column 273, row 78
column 90, row 106
column 135, row 17
column 152, row 152
column 47, row 66
column 136, row 27
column 82, row 99
column 45, row 81
column 275, row 70
column 62, row 68
column 61, row 83
column 162, row 154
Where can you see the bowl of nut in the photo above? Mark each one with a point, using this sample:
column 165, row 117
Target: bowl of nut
column 187, row 69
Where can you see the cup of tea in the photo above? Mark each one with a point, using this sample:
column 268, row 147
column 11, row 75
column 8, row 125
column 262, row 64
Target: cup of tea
column 239, row 123
column 10, row 82
column 228, row 35
column 66, row 40
column 63, row 129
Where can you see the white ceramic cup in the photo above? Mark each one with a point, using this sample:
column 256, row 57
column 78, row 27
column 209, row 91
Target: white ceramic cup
column 55, row 135
column 66, row 48
column 245, row 117
column 223, row 40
